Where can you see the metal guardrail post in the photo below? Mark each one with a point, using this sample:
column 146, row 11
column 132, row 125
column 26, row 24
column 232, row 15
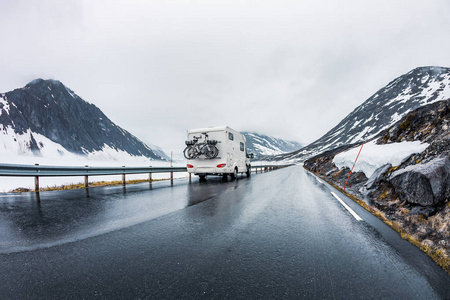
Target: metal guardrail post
column 150, row 179
column 36, row 184
column 86, row 183
column 86, row 179
column 123, row 178
column 36, row 181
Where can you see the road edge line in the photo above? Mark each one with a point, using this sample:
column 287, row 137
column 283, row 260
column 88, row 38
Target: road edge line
column 355, row 215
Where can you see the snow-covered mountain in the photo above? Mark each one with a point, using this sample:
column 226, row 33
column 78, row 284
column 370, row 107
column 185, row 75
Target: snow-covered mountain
column 263, row 145
column 419, row 87
column 159, row 151
column 47, row 119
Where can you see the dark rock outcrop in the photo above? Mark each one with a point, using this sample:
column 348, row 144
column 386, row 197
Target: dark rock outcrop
column 414, row 188
column 426, row 184
column 422, row 179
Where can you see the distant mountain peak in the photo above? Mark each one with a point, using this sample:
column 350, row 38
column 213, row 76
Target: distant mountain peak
column 45, row 83
column 262, row 145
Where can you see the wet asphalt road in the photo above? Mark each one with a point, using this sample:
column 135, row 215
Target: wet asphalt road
column 277, row 235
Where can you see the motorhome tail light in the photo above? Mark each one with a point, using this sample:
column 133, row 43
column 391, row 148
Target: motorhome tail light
column 221, row 165
column 190, row 166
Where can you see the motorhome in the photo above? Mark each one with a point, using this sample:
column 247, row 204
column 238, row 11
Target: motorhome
column 217, row 151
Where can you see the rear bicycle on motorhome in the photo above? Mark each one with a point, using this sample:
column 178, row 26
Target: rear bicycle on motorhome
column 195, row 149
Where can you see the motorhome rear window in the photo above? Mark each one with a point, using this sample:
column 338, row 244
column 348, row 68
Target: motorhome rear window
column 230, row 136
column 242, row 146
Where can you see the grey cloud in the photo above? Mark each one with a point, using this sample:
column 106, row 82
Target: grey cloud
column 292, row 69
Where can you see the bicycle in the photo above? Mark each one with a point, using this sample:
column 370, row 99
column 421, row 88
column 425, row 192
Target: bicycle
column 195, row 149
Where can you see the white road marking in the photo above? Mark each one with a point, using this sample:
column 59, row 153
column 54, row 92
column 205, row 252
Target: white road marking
column 320, row 181
column 358, row 218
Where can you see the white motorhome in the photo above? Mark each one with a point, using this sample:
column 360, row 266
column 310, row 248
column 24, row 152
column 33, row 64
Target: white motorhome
column 229, row 157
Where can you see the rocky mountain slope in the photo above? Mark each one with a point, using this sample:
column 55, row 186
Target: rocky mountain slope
column 415, row 193
column 263, row 146
column 45, row 118
column 419, row 87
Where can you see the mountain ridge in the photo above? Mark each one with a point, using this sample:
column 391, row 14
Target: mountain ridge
column 46, row 111
column 263, row 146
column 418, row 87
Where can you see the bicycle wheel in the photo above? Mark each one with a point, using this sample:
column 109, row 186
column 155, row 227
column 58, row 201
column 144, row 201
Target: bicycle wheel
column 189, row 152
column 211, row 151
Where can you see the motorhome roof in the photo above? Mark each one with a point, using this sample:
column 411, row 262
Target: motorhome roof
column 209, row 129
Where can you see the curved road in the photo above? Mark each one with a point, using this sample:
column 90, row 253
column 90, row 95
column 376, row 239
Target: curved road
column 277, row 235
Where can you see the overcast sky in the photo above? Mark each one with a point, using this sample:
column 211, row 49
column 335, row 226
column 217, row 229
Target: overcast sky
column 291, row 69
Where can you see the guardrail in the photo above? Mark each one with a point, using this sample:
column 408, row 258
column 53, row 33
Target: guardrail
column 266, row 168
column 36, row 171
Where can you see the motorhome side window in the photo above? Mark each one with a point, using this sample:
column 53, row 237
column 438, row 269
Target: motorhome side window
column 230, row 136
column 242, row 146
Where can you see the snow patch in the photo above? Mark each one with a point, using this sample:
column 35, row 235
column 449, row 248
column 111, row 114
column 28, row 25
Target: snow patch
column 362, row 134
column 374, row 156
column 12, row 144
column 107, row 153
column 5, row 104
column 395, row 118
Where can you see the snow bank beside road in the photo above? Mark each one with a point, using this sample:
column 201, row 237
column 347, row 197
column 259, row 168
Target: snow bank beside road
column 374, row 156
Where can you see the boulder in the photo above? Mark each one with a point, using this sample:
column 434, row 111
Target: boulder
column 424, row 184
column 413, row 187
